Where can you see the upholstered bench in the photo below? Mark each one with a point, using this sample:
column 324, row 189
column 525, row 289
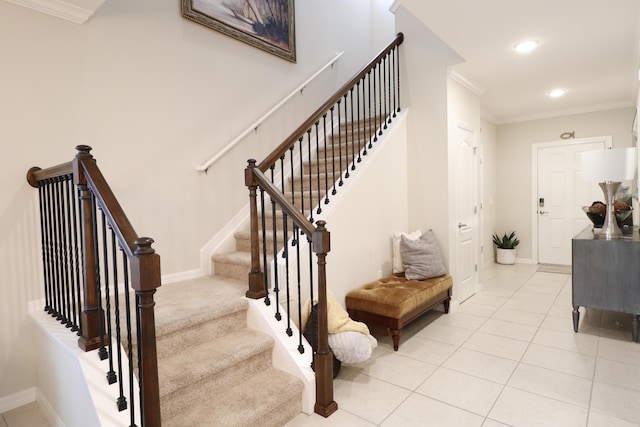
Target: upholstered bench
column 393, row 302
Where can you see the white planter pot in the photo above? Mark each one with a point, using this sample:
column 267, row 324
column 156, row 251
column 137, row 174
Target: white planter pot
column 505, row 256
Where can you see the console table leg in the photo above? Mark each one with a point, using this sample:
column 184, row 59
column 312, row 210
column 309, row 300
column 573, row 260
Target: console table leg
column 634, row 327
column 576, row 318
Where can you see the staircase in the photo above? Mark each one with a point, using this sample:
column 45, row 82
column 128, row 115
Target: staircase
column 237, row 264
column 213, row 370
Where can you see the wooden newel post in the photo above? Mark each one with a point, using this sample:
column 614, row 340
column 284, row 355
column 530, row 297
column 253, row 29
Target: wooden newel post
column 145, row 279
column 323, row 359
column 89, row 318
column 256, row 280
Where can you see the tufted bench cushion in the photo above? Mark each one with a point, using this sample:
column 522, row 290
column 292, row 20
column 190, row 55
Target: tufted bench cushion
column 394, row 301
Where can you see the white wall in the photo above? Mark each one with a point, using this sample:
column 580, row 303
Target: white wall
column 155, row 95
column 513, row 162
column 376, row 206
column 424, row 61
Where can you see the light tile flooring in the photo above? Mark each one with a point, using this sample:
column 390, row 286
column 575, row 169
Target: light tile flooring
column 506, row 356
column 25, row 416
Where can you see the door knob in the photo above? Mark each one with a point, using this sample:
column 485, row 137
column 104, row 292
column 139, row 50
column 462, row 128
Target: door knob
column 460, row 225
column 543, row 212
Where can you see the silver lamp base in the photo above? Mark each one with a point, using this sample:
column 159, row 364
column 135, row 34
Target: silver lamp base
column 610, row 229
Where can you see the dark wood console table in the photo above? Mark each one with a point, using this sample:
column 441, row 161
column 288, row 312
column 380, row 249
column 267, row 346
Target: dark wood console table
column 606, row 275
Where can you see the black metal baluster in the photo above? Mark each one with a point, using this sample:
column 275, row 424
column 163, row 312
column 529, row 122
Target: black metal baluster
column 326, row 164
column 293, row 196
column 265, row 276
column 393, row 55
column 111, row 375
column 353, row 134
column 121, row 402
column 102, row 351
column 276, row 283
column 397, row 49
column 340, row 144
column 73, row 318
column 77, row 258
column 319, row 210
column 388, row 59
column 285, row 255
column 346, row 136
column 132, row 411
column 333, row 155
column 53, row 268
column 296, row 231
column 360, row 124
column 43, row 242
column 293, row 181
column 385, row 89
column 370, row 116
column 64, row 213
column 380, row 89
column 310, row 176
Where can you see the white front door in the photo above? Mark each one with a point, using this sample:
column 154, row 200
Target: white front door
column 467, row 191
column 561, row 194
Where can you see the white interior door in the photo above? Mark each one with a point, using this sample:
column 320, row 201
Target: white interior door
column 561, row 195
column 467, row 190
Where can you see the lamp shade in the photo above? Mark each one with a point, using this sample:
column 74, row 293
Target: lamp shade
column 618, row 164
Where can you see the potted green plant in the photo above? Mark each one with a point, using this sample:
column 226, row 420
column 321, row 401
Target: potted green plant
column 506, row 248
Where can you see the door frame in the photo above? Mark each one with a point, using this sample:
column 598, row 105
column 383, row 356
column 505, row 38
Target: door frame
column 608, row 143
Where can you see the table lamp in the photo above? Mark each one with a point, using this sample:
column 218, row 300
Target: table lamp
column 608, row 168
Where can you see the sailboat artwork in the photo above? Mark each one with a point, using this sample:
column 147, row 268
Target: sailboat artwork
column 265, row 24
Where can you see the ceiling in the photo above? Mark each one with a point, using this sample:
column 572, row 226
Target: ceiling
column 589, row 47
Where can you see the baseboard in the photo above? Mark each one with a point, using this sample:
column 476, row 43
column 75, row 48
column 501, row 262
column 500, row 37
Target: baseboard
column 223, row 241
column 17, row 400
column 184, row 275
column 48, row 411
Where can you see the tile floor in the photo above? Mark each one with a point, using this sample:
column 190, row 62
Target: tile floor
column 507, row 356
column 25, row 416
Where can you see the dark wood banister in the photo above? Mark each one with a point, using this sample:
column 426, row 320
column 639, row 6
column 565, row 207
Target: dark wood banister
column 282, row 148
column 319, row 236
column 144, row 264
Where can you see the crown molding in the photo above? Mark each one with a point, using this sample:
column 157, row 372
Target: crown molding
column 565, row 112
column 465, row 82
column 77, row 11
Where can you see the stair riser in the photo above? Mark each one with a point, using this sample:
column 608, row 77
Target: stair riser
column 207, row 388
column 244, row 244
column 232, row 271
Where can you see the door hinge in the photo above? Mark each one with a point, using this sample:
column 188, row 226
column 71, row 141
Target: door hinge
column 476, row 268
column 475, row 210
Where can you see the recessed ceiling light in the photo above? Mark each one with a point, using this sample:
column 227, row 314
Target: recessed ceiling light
column 556, row 93
column 526, row 46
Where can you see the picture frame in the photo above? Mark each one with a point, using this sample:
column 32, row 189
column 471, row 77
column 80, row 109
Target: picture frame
column 266, row 24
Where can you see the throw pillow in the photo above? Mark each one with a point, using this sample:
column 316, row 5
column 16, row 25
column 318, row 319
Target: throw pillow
column 398, row 266
column 421, row 257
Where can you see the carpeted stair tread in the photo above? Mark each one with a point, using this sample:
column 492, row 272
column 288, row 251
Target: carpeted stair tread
column 267, row 399
column 181, row 305
column 210, row 358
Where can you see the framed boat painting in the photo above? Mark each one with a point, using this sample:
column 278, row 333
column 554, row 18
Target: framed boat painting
column 266, row 24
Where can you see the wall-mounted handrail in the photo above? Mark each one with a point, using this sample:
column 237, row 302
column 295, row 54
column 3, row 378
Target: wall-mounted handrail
column 254, row 126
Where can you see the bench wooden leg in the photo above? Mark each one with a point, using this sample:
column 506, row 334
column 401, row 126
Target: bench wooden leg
column 395, row 335
column 447, row 303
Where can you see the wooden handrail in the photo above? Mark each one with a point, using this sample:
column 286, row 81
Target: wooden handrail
column 282, row 148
